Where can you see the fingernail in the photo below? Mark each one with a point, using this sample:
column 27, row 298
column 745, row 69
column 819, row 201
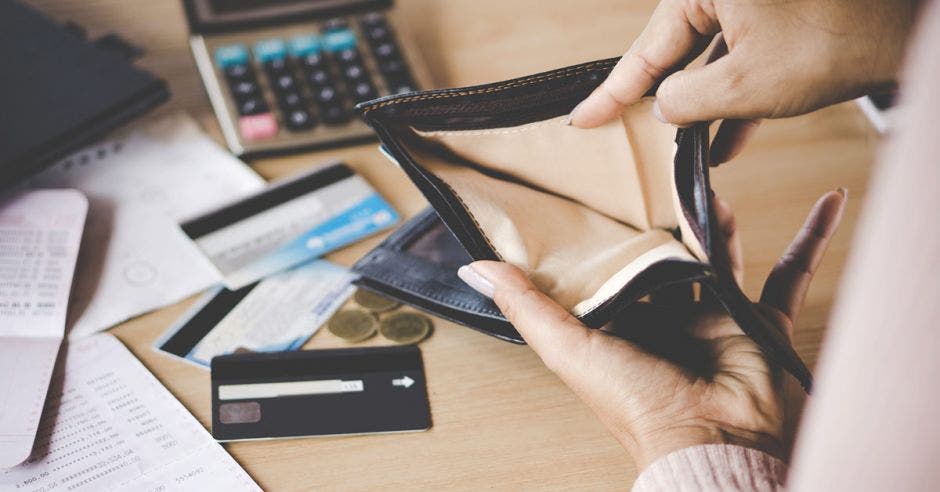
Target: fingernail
column 658, row 113
column 475, row 280
column 570, row 117
column 844, row 192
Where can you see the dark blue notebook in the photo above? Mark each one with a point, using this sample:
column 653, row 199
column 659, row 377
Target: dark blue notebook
column 60, row 91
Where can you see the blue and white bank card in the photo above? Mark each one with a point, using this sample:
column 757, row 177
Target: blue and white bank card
column 288, row 223
column 276, row 314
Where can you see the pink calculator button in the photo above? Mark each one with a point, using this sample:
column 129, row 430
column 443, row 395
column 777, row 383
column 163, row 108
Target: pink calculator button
column 257, row 126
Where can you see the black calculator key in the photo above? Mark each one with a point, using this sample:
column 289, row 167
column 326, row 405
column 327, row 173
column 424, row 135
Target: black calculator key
column 299, row 119
column 276, row 66
column 238, row 72
column 334, row 24
column 362, row 91
column 312, row 61
column 386, row 50
column 377, row 34
column 355, row 72
column 291, row 100
column 284, row 83
column 373, row 19
column 393, row 68
column 253, row 105
column 348, row 56
column 244, row 89
column 326, row 95
column 319, row 78
column 334, row 114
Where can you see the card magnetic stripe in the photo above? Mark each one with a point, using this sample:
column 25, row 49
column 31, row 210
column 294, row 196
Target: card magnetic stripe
column 312, row 364
column 193, row 330
column 274, row 196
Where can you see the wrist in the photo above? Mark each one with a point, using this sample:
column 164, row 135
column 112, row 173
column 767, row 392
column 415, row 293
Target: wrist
column 649, row 447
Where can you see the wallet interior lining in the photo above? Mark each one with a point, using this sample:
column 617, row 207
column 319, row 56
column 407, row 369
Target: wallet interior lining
column 582, row 211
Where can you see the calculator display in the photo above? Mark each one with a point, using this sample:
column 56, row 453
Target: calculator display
column 223, row 6
column 234, row 14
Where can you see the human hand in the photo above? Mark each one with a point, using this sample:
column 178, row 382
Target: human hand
column 665, row 379
column 783, row 58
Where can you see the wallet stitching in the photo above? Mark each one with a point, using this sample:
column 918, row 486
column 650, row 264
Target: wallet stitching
column 494, row 131
column 510, row 85
column 472, row 217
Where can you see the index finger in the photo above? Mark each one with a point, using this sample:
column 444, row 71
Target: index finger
column 671, row 36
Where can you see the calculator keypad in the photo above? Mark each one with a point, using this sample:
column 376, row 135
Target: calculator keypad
column 387, row 54
column 312, row 79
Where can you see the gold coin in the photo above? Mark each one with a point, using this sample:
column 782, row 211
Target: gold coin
column 352, row 325
column 405, row 328
column 374, row 302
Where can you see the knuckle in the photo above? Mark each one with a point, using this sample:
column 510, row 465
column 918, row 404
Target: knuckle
column 701, row 15
column 792, row 264
column 514, row 303
column 646, row 66
column 738, row 83
column 817, row 231
column 729, row 224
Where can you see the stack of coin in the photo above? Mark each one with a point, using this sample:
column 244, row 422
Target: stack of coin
column 356, row 325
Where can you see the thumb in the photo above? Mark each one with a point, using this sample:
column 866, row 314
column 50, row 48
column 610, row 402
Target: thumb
column 722, row 89
column 546, row 326
column 580, row 356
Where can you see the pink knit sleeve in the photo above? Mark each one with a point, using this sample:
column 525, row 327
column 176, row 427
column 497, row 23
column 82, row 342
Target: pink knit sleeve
column 713, row 467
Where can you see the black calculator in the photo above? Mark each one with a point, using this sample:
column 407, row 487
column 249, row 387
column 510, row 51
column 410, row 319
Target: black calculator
column 284, row 75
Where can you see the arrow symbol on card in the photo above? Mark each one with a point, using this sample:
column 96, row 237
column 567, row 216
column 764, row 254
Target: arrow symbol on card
column 403, row 381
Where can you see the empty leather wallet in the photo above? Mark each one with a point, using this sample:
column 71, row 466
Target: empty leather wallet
column 597, row 218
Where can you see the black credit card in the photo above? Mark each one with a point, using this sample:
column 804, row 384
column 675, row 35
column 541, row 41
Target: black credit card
column 318, row 393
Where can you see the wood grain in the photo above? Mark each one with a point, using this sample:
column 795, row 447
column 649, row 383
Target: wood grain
column 501, row 420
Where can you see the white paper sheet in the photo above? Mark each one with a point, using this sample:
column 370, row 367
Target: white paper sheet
column 40, row 232
column 110, row 425
column 141, row 182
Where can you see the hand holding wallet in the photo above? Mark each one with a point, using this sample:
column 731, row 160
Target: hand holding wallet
column 597, row 218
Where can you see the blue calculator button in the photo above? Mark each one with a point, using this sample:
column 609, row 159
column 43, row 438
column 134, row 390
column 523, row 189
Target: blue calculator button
column 270, row 49
column 302, row 46
column 234, row 54
column 339, row 40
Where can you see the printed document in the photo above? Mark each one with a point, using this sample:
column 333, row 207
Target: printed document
column 141, row 182
column 40, row 232
column 110, row 425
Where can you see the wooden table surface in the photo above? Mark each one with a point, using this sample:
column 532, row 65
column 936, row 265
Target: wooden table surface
column 501, row 420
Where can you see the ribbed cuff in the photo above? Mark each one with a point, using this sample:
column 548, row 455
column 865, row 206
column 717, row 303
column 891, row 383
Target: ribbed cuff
column 713, row 467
